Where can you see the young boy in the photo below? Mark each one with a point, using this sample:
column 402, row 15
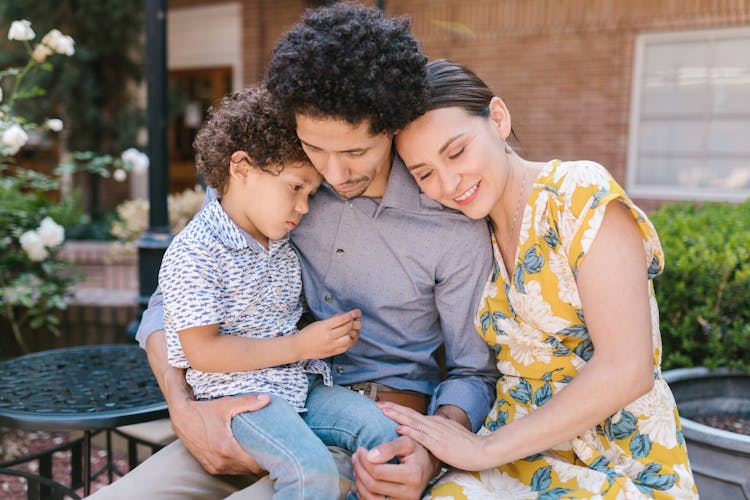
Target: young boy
column 232, row 300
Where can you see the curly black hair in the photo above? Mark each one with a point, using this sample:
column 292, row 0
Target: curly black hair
column 348, row 61
column 245, row 121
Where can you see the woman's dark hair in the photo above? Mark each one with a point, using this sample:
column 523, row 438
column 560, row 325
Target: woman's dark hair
column 245, row 121
column 450, row 84
column 349, row 61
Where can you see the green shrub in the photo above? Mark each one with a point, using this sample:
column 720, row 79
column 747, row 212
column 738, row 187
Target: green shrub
column 704, row 293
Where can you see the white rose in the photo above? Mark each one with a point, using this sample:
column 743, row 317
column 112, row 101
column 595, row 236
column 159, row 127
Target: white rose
column 119, row 175
column 138, row 161
column 62, row 44
column 14, row 137
column 20, row 30
column 51, row 233
column 41, row 52
column 32, row 244
column 54, row 124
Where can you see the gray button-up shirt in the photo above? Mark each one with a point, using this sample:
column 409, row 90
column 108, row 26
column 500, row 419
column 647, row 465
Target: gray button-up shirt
column 416, row 270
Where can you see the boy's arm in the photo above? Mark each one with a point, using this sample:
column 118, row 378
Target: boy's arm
column 202, row 426
column 209, row 351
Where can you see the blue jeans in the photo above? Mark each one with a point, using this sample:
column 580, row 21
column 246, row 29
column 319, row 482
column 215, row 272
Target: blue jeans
column 292, row 446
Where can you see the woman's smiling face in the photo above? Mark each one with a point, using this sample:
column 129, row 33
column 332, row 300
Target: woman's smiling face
column 458, row 158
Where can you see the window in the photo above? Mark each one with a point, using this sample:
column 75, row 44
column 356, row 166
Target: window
column 690, row 116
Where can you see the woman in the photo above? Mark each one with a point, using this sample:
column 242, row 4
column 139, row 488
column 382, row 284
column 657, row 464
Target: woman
column 581, row 409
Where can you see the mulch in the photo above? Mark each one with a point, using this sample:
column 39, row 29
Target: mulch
column 16, row 443
column 726, row 423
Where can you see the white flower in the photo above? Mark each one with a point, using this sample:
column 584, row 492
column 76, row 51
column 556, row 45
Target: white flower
column 589, row 479
column 533, row 308
column 137, row 161
column 33, row 246
column 567, row 289
column 119, row 175
column 657, row 416
column 21, row 30
column 14, row 137
column 51, row 233
column 62, row 44
column 54, row 124
column 41, row 52
column 581, row 174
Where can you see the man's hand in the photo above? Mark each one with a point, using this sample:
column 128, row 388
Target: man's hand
column 375, row 479
column 204, row 427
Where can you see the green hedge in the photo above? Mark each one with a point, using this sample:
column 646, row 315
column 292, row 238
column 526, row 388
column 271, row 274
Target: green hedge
column 704, row 293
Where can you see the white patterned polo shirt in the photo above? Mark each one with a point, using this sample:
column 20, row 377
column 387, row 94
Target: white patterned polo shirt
column 214, row 272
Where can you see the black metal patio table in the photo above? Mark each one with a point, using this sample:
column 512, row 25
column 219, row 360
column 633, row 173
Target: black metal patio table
column 87, row 388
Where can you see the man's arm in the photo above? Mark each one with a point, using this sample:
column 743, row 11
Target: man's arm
column 468, row 391
column 471, row 376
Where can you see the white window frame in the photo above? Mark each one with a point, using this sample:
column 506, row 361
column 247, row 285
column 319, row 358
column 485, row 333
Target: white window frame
column 673, row 192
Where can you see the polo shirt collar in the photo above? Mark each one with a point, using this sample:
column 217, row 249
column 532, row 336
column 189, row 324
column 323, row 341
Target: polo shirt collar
column 231, row 235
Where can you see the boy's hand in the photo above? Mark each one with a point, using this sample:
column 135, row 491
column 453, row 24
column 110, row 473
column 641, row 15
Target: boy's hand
column 329, row 337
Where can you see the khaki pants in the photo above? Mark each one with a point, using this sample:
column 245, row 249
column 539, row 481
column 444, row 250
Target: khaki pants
column 173, row 473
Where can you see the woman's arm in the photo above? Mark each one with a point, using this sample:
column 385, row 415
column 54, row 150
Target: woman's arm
column 613, row 287
column 209, row 351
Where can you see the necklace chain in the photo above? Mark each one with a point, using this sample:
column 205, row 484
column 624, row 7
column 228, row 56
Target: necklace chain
column 520, row 198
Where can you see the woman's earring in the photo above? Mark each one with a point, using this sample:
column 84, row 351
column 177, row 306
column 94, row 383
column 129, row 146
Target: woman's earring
column 508, row 149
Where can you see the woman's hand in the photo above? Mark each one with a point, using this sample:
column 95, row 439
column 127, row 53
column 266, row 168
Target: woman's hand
column 446, row 439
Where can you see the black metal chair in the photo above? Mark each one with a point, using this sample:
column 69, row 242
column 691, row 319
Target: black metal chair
column 41, row 488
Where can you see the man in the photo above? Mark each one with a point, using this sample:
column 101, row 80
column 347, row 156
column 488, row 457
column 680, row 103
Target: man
column 351, row 78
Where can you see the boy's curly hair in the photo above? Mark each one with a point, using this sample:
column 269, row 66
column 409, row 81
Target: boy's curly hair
column 245, row 121
column 350, row 62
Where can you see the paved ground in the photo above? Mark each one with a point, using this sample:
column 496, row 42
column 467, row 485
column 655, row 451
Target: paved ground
column 15, row 443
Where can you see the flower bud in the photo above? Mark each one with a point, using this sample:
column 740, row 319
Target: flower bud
column 14, row 138
column 41, row 52
column 51, row 233
column 137, row 161
column 54, row 124
column 119, row 175
column 32, row 244
column 21, row 30
column 62, row 44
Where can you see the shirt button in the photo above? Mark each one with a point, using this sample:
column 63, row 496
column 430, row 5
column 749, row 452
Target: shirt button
column 328, row 298
column 339, row 370
column 279, row 293
column 340, row 251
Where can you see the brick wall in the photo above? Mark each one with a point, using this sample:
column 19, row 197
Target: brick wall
column 564, row 67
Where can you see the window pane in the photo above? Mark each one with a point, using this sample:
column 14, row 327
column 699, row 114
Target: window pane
column 693, row 125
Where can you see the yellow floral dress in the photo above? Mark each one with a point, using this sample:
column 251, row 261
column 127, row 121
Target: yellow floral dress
column 534, row 323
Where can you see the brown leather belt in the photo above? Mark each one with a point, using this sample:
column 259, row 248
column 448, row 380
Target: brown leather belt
column 379, row 392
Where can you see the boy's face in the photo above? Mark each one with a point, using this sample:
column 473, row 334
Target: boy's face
column 352, row 160
column 267, row 205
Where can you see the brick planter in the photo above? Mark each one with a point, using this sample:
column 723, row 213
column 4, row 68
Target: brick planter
column 103, row 306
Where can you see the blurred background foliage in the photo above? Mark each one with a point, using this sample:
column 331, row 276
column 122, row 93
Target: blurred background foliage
column 93, row 90
column 704, row 292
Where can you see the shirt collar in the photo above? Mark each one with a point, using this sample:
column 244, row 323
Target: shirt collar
column 402, row 190
column 230, row 234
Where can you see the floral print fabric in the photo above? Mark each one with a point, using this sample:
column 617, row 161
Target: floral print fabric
column 534, row 323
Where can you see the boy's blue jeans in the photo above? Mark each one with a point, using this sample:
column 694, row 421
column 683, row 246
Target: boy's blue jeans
column 292, row 446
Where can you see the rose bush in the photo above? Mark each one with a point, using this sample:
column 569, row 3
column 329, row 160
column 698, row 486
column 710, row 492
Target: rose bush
column 35, row 282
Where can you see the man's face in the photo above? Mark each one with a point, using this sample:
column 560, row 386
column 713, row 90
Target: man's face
column 352, row 160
